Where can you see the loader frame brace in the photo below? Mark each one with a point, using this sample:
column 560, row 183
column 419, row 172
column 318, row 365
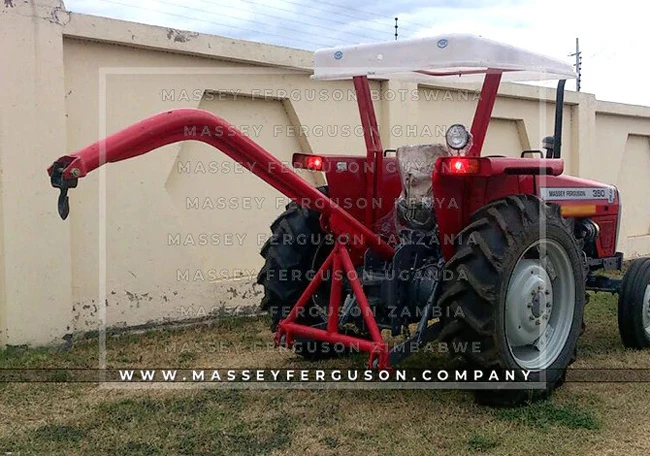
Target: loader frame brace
column 341, row 266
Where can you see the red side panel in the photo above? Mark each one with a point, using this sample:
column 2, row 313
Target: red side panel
column 346, row 177
column 496, row 178
column 451, row 216
column 457, row 198
column 389, row 188
column 574, row 191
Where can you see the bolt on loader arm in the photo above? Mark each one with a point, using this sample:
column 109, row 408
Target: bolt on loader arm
column 187, row 124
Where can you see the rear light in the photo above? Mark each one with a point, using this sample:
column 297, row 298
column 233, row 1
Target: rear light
column 461, row 165
column 305, row 161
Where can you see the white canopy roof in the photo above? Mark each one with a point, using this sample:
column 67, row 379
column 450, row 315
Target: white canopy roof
column 444, row 58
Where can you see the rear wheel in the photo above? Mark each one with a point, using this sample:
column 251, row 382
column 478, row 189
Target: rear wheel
column 296, row 249
column 634, row 305
column 516, row 297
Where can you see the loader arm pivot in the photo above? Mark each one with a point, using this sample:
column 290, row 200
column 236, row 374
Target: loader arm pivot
column 189, row 124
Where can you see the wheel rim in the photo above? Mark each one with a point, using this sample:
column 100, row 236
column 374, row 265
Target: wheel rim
column 646, row 311
column 540, row 303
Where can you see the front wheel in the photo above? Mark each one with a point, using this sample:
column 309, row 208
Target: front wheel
column 517, row 296
column 634, row 305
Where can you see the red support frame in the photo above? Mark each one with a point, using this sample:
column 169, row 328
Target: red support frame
column 483, row 111
column 340, row 264
column 374, row 149
column 339, row 260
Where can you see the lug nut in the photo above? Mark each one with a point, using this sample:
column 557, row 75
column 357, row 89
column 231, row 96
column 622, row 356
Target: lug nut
column 537, row 323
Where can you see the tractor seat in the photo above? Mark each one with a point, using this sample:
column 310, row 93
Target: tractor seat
column 415, row 203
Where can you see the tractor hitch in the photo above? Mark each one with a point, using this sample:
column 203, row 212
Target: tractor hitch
column 58, row 180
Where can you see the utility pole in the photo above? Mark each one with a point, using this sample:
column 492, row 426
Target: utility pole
column 395, row 29
column 578, row 64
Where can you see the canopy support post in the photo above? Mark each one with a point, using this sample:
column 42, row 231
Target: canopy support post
column 484, row 110
column 374, row 150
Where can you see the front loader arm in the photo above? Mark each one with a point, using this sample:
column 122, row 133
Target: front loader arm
column 190, row 124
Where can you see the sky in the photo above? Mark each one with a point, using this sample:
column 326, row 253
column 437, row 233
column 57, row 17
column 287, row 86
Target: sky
column 613, row 35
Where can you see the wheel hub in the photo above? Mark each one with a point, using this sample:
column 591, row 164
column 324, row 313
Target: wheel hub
column 539, row 305
column 529, row 303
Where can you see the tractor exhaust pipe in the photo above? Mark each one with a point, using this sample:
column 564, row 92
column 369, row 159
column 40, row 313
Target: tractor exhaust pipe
column 559, row 111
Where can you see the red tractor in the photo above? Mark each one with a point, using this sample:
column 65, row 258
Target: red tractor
column 489, row 254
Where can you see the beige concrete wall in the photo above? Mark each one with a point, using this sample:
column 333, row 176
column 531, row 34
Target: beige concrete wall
column 622, row 156
column 136, row 249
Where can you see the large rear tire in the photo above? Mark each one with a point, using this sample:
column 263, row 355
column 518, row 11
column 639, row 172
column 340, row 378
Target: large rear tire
column 634, row 305
column 296, row 249
column 516, row 297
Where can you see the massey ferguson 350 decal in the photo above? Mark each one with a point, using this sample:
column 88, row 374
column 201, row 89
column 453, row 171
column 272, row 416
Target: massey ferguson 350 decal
column 578, row 193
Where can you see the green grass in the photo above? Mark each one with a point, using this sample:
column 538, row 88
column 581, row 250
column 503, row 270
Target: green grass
column 545, row 414
column 78, row 419
column 208, row 422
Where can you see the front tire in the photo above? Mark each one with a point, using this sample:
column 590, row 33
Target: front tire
column 634, row 305
column 517, row 294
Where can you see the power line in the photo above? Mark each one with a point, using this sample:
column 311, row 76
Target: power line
column 303, row 6
column 319, row 17
column 620, row 45
column 212, row 22
column 248, row 20
column 599, row 51
column 367, row 13
column 281, row 17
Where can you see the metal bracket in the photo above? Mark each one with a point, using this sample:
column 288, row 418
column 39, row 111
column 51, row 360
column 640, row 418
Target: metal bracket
column 58, row 181
column 603, row 284
column 613, row 263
